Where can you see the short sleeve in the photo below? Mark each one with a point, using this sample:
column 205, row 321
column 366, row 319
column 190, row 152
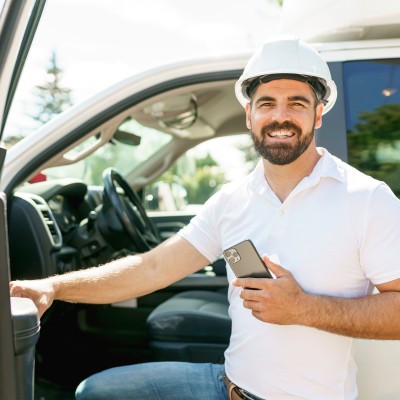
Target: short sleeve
column 202, row 231
column 380, row 247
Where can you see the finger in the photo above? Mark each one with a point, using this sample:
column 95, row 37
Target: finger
column 16, row 290
column 42, row 308
column 257, row 314
column 251, row 283
column 252, row 305
column 41, row 302
column 248, row 294
column 248, row 304
column 275, row 268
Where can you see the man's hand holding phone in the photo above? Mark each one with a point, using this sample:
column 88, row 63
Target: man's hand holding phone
column 278, row 301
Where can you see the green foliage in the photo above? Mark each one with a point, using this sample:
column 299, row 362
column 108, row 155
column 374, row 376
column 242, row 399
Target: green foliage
column 251, row 157
column 200, row 177
column 206, row 161
column 9, row 141
column 203, row 184
column 374, row 144
column 52, row 98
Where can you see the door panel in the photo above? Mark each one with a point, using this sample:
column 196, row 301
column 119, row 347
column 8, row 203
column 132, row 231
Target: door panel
column 7, row 360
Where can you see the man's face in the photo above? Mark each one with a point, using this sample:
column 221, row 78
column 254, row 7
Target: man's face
column 282, row 117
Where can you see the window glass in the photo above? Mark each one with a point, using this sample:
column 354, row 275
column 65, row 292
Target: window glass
column 372, row 98
column 200, row 172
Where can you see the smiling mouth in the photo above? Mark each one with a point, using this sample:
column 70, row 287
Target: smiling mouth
column 280, row 134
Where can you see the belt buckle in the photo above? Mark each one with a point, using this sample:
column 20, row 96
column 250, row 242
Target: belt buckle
column 232, row 390
column 237, row 391
column 231, row 387
column 244, row 394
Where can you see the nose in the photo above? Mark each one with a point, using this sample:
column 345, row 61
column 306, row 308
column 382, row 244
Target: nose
column 281, row 113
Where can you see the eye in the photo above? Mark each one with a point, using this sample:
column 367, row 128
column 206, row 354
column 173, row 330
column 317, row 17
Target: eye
column 297, row 104
column 266, row 104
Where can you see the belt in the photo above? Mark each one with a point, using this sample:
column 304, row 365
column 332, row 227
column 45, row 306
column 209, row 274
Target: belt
column 237, row 393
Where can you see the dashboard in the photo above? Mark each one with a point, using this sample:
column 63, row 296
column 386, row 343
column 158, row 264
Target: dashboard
column 52, row 229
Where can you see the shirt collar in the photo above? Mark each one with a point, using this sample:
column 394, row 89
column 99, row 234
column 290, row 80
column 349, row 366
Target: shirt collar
column 328, row 166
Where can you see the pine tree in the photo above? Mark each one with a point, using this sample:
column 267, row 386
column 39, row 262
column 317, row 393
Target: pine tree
column 52, row 97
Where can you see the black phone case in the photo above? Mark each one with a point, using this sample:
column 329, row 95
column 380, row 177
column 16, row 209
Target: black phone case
column 245, row 261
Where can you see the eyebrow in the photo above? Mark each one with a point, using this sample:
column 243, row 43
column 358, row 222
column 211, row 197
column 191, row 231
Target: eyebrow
column 291, row 98
column 299, row 98
column 264, row 98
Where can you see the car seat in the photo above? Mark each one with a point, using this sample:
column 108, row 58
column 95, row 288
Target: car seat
column 191, row 326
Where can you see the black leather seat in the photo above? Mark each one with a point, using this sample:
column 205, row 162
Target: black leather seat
column 191, row 326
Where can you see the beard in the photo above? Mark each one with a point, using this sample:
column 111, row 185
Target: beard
column 282, row 153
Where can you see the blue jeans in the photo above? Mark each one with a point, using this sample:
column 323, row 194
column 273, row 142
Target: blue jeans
column 156, row 381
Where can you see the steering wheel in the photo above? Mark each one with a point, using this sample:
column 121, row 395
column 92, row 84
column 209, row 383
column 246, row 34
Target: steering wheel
column 130, row 211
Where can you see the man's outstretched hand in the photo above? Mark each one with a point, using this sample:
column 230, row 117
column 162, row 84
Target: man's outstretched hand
column 41, row 292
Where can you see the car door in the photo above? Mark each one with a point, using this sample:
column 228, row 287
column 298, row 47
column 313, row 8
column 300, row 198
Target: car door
column 18, row 22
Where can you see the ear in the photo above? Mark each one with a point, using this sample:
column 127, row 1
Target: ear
column 248, row 112
column 318, row 115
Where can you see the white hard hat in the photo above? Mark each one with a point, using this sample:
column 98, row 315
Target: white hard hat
column 287, row 58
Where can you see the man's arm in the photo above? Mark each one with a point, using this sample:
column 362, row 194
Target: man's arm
column 119, row 280
column 282, row 301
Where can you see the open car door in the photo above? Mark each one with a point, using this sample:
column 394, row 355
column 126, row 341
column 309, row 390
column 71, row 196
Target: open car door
column 18, row 22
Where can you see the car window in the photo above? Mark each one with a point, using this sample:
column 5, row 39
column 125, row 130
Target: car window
column 199, row 173
column 372, row 99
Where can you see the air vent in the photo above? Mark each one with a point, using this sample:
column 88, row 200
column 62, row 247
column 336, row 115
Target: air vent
column 48, row 218
column 49, row 222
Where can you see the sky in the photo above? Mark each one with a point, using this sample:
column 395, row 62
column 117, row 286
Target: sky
column 100, row 42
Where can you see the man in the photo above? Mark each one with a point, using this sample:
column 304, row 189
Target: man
column 331, row 234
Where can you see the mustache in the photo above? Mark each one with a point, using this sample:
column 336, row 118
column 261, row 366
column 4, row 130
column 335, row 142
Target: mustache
column 284, row 126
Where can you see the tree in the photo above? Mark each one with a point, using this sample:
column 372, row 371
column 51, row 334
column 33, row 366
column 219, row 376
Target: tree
column 52, row 97
column 201, row 177
column 205, row 182
column 374, row 144
column 251, row 157
column 9, row 141
column 52, row 100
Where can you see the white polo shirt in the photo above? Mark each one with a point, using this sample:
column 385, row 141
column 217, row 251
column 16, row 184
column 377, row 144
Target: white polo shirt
column 338, row 232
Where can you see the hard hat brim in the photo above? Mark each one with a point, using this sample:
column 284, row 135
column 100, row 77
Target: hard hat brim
column 243, row 97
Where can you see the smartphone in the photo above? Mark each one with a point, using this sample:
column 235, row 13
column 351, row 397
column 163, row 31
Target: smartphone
column 245, row 261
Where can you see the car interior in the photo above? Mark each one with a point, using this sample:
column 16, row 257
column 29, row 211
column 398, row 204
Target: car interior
column 101, row 199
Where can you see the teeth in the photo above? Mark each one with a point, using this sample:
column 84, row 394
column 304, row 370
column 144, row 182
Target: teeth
column 281, row 134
